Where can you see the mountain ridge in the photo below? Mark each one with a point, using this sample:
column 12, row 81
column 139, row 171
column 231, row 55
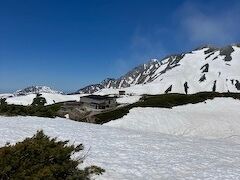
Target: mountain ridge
column 148, row 72
column 36, row 90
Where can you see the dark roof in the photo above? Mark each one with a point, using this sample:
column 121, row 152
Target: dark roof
column 98, row 97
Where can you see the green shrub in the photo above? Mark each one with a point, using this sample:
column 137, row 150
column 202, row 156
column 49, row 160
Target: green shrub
column 43, row 158
column 111, row 115
column 19, row 110
column 39, row 101
column 3, row 101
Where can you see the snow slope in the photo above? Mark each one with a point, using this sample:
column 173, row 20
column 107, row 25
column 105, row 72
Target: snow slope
column 217, row 118
column 21, row 100
column 50, row 98
column 55, row 98
column 203, row 69
column 6, row 95
column 128, row 99
column 126, row 154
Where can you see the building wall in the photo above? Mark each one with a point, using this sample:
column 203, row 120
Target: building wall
column 98, row 103
column 90, row 100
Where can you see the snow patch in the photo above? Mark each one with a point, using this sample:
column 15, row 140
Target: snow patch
column 128, row 99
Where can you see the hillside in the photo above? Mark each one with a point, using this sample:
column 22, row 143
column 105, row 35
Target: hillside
column 163, row 101
column 203, row 69
column 25, row 96
column 51, row 98
column 217, row 118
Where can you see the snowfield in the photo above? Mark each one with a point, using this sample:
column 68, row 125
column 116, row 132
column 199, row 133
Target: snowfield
column 128, row 99
column 217, row 118
column 127, row 154
column 50, row 98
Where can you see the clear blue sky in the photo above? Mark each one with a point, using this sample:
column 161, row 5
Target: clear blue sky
column 67, row 44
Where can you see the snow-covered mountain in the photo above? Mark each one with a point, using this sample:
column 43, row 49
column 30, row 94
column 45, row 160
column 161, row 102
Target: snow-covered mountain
column 36, row 90
column 203, row 69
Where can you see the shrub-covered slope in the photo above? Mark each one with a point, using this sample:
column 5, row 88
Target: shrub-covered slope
column 163, row 101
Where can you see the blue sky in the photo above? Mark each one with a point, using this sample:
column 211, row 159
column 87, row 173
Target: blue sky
column 67, row 44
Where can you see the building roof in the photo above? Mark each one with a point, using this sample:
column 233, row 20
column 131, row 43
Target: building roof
column 98, row 97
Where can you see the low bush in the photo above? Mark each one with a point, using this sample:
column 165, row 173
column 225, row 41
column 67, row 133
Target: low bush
column 40, row 157
column 33, row 110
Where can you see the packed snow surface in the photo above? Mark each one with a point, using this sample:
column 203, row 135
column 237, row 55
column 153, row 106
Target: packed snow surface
column 128, row 99
column 50, row 98
column 217, row 118
column 126, row 154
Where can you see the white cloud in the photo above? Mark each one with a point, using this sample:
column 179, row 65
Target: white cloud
column 148, row 43
column 143, row 46
column 201, row 25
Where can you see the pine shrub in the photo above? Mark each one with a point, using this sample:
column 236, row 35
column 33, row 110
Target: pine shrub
column 40, row 157
column 39, row 101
